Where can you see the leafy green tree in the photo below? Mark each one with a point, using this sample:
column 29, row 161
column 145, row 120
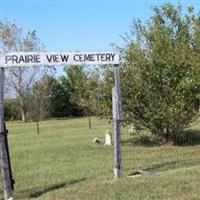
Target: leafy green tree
column 92, row 94
column 88, row 99
column 160, row 76
column 60, row 100
column 11, row 109
column 75, row 80
column 105, row 86
column 50, row 97
column 40, row 103
column 81, row 84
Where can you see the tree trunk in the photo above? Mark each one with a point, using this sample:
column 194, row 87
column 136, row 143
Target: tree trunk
column 38, row 127
column 176, row 139
column 23, row 112
column 168, row 136
column 89, row 120
column 23, row 115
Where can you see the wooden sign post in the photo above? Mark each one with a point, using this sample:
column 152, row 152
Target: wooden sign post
column 4, row 164
column 116, row 103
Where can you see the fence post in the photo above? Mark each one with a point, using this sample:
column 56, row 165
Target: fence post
column 6, row 177
column 116, row 103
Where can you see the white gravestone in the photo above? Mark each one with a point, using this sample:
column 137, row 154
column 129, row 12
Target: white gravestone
column 96, row 141
column 108, row 138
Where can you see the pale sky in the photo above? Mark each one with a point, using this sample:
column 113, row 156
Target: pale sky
column 80, row 25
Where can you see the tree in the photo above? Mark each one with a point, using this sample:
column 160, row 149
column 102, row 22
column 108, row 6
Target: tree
column 39, row 103
column 20, row 79
column 160, row 76
column 60, row 99
column 83, row 83
column 11, row 110
column 105, row 92
column 88, row 99
column 41, row 96
column 74, row 81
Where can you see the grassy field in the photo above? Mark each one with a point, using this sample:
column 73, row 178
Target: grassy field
column 63, row 163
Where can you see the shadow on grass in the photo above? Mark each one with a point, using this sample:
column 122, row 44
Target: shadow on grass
column 147, row 140
column 189, row 137
column 158, row 167
column 168, row 165
column 51, row 188
column 164, row 166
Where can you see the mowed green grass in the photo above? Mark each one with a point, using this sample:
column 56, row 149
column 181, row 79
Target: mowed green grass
column 63, row 163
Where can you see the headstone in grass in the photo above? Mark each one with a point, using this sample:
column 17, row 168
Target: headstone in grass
column 108, row 138
column 96, row 141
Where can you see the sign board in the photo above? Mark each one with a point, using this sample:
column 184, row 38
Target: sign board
column 25, row 59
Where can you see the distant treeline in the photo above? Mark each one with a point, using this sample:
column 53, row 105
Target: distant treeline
column 73, row 94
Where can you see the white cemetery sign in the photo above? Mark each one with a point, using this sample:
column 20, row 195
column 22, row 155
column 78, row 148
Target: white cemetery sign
column 21, row 59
